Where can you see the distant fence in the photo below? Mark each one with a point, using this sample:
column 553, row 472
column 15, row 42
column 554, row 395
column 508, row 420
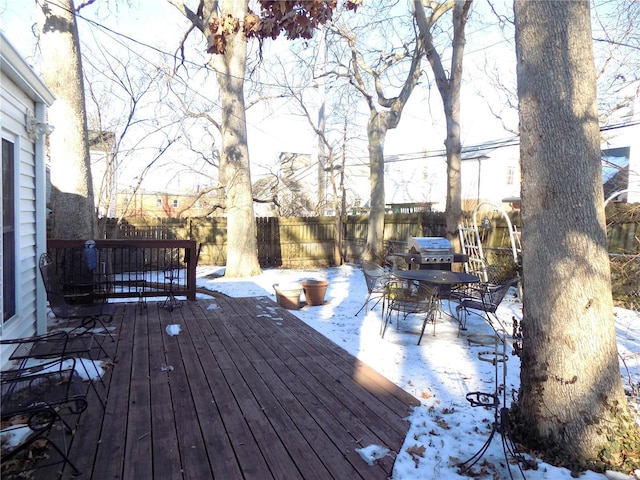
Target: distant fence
column 299, row 241
column 308, row 241
column 282, row 242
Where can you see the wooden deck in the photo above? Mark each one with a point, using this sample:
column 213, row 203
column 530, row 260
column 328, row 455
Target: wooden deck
column 245, row 391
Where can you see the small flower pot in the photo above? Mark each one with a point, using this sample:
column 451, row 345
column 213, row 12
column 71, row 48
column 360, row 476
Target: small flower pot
column 288, row 295
column 314, row 291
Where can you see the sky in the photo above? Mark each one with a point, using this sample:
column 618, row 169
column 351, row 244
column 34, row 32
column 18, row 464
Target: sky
column 148, row 27
column 273, row 130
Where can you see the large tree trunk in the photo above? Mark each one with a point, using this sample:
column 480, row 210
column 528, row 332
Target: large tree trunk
column 71, row 185
column 376, row 132
column 242, row 251
column 453, row 212
column 449, row 85
column 571, row 394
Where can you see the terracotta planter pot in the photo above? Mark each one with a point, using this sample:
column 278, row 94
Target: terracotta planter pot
column 288, row 295
column 314, row 291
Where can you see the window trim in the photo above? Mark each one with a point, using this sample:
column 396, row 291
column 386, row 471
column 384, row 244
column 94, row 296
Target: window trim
column 13, row 141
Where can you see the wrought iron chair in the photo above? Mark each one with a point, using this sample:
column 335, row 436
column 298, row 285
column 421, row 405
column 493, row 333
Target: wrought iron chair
column 376, row 278
column 405, row 298
column 88, row 315
column 33, row 400
column 485, row 298
column 54, row 346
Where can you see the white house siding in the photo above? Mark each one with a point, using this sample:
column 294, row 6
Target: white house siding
column 21, row 92
column 633, row 140
column 416, row 181
column 498, row 175
column 634, row 165
column 425, row 179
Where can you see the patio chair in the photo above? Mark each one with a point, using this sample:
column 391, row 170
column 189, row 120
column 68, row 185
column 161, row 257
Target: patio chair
column 88, row 315
column 376, row 278
column 54, row 346
column 405, row 299
column 33, row 402
column 484, row 298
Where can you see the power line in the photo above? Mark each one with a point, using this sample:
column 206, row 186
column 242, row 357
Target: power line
column 481, row 147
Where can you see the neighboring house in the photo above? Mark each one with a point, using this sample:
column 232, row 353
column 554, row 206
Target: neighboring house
column 621, row 161
column 150, row 204
column 415, row 182
column 487, row 175
column 615, row 172
column 292, row 191
column 23, row 103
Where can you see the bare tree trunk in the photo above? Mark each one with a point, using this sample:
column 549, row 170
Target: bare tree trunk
column 71, row 184
column 242, row 254
column 384, row 114
column 376, row 132
column 571, row 398
column 453, row 211
column 449, row 88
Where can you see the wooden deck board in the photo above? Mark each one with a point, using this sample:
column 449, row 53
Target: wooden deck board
column 245, row 391
column 253, row 366
column 317, row 388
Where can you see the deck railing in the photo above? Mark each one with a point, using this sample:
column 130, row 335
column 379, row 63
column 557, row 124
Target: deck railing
column 126, row 268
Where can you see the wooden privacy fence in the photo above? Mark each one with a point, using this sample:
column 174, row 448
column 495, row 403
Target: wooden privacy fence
column 309, row 241
column 304, row 241
column 282, row 242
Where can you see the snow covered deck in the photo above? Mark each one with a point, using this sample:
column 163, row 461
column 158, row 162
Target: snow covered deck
column 245, row 390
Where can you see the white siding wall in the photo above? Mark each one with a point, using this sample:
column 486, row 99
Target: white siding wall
column 425, row 179
column 14, row 104
column 23, row 92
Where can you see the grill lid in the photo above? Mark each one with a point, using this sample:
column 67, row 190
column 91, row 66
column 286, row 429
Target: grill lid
column 429, row 245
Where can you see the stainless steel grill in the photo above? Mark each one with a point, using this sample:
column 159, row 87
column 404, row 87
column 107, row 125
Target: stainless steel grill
column 432, row 250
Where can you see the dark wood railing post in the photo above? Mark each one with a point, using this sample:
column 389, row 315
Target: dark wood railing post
column 192, row 263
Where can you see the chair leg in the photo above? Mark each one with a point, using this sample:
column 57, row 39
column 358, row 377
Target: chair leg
column 431, row 315
column 424, row 325
column 461, row 314
column 386, row 318
column 43, row 436
column 92, row 383
column 382, row 317
column 364, row 305
column 103, row 324
column 87, row 324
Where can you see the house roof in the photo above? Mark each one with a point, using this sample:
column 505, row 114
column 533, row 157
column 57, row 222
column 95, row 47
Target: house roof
column 20, row 72
column 614, row 161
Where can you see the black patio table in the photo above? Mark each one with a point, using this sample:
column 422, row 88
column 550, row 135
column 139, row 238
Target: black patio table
column 440, row 278
column 437, row 277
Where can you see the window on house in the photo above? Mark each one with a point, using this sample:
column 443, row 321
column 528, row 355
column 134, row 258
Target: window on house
column 511, row 173
column 175, row 203
column 8, row 232
column 159, row 202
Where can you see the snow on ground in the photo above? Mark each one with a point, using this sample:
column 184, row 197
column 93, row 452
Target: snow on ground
column 445, row 429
